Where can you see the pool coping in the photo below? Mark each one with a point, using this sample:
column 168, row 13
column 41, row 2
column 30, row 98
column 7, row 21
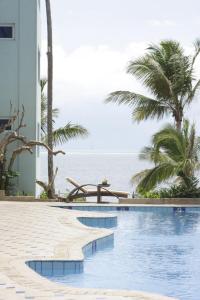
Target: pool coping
column 62, row 204
column 18, row 277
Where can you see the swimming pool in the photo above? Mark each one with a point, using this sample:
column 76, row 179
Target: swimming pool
column 155, row 250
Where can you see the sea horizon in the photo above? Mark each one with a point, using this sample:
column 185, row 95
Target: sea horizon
column 93, row 167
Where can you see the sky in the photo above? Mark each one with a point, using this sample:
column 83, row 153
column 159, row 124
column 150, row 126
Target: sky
column 93, row 42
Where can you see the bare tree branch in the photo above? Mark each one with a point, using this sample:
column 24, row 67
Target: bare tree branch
column 28, row 147
column 41, row 144
column 16, row 153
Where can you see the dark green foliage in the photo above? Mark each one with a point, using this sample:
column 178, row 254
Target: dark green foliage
column 150, row 195
column 191, row 190
column 7, row 182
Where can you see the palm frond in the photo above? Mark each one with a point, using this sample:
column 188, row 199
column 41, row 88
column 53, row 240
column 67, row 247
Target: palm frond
column 167, row 72
column 68, row 132
column 147, row 153
column 148, row 70
column 175, row 154
column 154, row 155
column 126, row 97
column 191, row 142
column 149, row 109
column 197, row 51
column 170, row 141
column 43, row 83
column 143, row 107
column 193, row 92
column 62, row 134
column 55, row 113
column 139, row 176
column 155, row 176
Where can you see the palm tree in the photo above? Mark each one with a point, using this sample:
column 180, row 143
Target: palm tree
column 51, row 192
column 59, row 135
column 174, row 153
column 168, row 74
column 44, row 107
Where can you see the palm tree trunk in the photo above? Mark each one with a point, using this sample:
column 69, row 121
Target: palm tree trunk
column 178, row 116
column 51, row 193
column 178, row 125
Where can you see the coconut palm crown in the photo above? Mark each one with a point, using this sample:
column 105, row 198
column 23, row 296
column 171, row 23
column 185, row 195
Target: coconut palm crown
column 63, row 134
column 168, row 74
column 174, row 153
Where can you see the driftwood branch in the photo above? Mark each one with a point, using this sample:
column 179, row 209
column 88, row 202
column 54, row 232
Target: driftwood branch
column 21, row 121
column 13, row 135
column 41, row 144
column 12, row 120
column 29, row 147
column 46, row 187
column 16, row 153
column 24, row 145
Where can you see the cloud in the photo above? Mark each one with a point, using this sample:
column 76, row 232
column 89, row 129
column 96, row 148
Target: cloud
column 90, row 73
column 159, row 23
column 92, row 70
column 82, row 79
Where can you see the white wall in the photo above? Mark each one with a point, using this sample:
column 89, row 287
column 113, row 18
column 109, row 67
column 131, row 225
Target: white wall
column 19, row 80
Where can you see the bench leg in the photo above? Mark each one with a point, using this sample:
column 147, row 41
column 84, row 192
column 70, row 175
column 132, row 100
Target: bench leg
column 98, row 194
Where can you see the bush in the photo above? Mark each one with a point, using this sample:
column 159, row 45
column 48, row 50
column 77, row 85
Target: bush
column 43, row 196
column 191, row 190
column 151, row 194
column 9, row 182
column 180, row 191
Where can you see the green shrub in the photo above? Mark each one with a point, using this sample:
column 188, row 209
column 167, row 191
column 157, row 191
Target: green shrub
column 43, row 196
column 151, row 194
column 192, row 190
column 180, row 191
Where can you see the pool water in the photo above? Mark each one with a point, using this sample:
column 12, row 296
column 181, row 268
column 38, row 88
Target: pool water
column 154, row 251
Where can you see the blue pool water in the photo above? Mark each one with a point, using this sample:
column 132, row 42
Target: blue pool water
column 155, row 251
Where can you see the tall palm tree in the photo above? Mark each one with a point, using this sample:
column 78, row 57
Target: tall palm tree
column 168, row 74
column 51, row 192
column 44, row 107
column 59, row 135
column 174, row 153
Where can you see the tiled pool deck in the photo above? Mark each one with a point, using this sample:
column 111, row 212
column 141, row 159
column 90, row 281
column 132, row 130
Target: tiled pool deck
column 44, row 232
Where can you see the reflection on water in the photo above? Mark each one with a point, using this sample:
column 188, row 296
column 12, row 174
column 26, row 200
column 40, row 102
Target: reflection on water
column 153, row 251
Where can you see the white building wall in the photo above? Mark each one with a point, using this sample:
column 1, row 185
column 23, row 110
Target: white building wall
column 19, row 79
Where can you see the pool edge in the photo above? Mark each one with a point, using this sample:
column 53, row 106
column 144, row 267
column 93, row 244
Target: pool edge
column 16, row 273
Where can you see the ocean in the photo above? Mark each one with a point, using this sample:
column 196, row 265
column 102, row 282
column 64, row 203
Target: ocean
column 92, row 168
